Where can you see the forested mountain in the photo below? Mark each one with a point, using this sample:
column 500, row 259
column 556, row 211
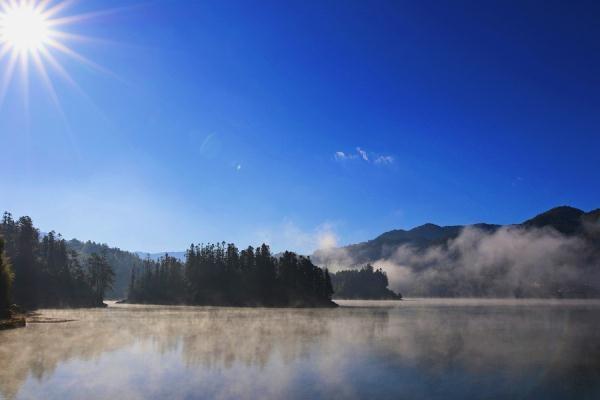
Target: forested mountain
column 564, row 219
column 554, row 254
column 46, row 272
column 220, row 274
column 122, row 262
column 180, row 255
column 365, row 283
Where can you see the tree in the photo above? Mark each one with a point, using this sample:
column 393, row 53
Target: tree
column 365, row 283
column 100, row 274
column 328, row 286
column 47, row 273
column 25, row 263
column 6, row 278
column 219, row 274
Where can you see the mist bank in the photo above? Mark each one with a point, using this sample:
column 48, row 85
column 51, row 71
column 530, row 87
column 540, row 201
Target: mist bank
column 555, row 254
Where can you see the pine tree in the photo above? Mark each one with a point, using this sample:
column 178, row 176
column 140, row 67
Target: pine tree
column 6, row 278
column 101, row 275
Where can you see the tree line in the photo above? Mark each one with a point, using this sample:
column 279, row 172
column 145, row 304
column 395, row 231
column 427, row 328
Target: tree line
column 121, row 262
column 221, row 274
column 41, row 271
column 364, row 283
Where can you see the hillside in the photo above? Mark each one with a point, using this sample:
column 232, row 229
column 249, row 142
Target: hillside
column 121, row 262
column 555, row 253
column 564, row 219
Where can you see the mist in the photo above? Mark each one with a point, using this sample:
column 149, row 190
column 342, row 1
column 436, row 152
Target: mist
column 413, row 349
column 510, row 261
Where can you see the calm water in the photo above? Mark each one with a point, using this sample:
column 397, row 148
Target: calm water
column 420, row 349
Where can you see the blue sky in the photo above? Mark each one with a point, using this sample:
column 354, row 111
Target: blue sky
column 306, row 123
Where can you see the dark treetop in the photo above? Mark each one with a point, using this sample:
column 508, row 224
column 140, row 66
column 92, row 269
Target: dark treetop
column 46, row 272
column 365, row 283
column 220, row 274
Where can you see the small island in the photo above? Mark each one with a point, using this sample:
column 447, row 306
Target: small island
column 221, row 275
column 366, row 283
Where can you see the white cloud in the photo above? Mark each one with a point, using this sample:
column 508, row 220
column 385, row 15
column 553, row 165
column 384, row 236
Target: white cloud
column 384, row 160
column 340, row 156
column 363, row 154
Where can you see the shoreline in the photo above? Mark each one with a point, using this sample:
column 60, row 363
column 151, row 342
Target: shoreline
column 16, row 321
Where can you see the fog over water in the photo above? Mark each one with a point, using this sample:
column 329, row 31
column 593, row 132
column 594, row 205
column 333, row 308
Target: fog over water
column 507, row 262
column 414, row 349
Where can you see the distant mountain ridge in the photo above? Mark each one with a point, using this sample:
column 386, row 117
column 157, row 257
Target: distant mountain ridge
column 567, row 220
column 180, row 255
column 564, row 219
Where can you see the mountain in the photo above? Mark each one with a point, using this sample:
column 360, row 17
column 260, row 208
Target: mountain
column 180, row 255
column 385, row 245
column 554, row 254
column 564, row 219
column 121, row 261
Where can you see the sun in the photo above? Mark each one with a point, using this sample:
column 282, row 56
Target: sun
column 24, row 27
column 37, row 33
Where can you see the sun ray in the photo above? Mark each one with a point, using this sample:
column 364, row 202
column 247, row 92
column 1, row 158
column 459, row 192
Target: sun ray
column 57, row 8
column 62, row 72
column 5, row 50
column 79, row 38
column 7, row 77
column 24, row 65
column 46, row 79
column 73, row 19
column 42, row 5
column 76, row 56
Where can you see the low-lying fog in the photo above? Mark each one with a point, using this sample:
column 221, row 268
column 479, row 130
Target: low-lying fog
column 507, row 262
column 467, row 349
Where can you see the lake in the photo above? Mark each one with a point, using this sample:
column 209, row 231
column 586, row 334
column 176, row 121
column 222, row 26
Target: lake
column 412, row 349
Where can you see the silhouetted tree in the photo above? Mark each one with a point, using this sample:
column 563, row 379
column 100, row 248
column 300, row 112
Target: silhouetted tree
column 26, row 266
column 46, row 272
column 218, row 274
column 364, row 283
column 6, row 278
column 100, row 274
column 49, row 273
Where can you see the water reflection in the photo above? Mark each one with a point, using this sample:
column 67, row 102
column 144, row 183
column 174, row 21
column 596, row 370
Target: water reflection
column 418, row 349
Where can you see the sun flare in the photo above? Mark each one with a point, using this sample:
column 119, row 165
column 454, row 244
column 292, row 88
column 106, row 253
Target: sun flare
column 23, row 27
column 34, row 32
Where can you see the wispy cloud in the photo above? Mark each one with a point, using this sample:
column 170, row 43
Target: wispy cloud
column 384, row 160
column 364, row 156
column 341, row 156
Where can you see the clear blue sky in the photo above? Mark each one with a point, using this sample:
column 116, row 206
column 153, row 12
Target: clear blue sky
column 298, row 121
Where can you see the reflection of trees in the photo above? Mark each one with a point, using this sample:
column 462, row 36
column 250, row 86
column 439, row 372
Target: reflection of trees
column 549, row 342
column 39, row 348
column 207, row 337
